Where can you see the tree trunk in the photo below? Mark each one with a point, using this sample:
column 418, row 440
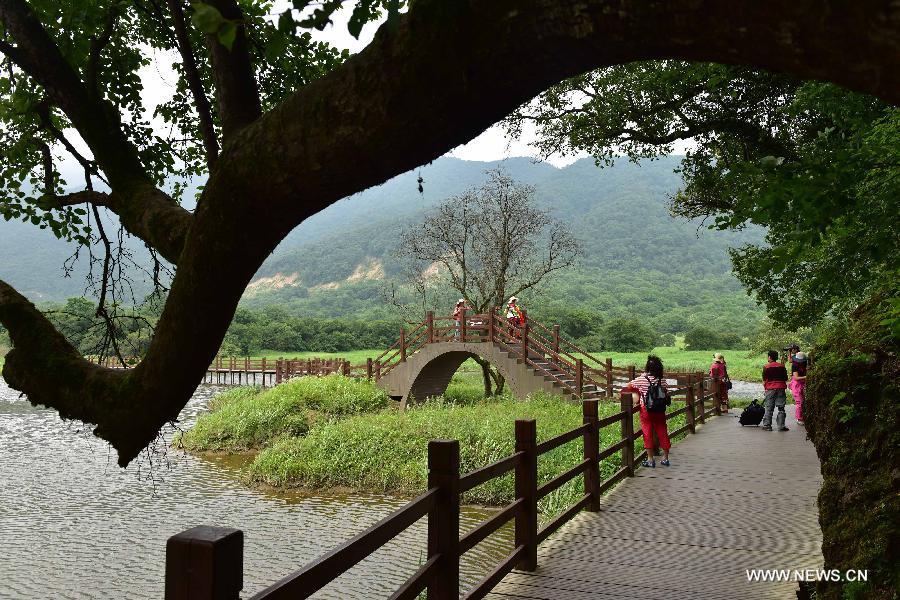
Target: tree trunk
column 486, row 375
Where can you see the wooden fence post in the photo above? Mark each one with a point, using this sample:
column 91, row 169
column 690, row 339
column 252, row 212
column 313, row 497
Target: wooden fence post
column 262, row 368
column 627, row 403
column 277, row 371
column 490, row 324
column 403, row 344
column 632, row 373
column 556, row 338
column 377, row 370
column 345, row 368
column 702, row 378
column 526, row 487
column 689, row 404
column 443, row 520
column 525, row 342
column 579, row 377
column 609, row 378
column 369, row 368
column 205, row 563
column 592, row 451
column 429, row 320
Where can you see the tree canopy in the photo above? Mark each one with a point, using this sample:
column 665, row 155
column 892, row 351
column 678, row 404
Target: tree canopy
column 283, row 126
column 817, row 165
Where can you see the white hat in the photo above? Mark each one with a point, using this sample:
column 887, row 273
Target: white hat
column 800, row 356
column 513, row 299
column 461, row 301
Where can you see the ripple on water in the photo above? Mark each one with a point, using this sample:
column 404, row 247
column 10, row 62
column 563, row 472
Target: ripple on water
column 75, row 525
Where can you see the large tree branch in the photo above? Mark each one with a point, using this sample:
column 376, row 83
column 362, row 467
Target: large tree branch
column 165, row 224
column 363, row 113
column 236, row 89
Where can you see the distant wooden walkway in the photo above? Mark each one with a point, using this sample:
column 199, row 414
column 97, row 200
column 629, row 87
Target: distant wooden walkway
column 735, row 499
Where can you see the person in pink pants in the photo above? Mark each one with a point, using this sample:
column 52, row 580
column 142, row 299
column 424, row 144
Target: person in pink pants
column 798, row 383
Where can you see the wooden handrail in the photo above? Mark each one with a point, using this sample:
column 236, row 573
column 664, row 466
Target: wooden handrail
column 563, row 478
column 486, row 528
column 491, row 471
column 316, row 575
column 561, row 439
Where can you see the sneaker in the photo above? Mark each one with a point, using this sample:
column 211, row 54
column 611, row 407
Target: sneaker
column 801, row 423
column 784, row 429
column 767, row 428
column 649, row 463
column 664, row 462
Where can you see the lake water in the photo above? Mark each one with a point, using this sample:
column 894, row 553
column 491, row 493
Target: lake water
column 75, row 525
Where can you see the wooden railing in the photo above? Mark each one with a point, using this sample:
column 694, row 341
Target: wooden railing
column 205, row 562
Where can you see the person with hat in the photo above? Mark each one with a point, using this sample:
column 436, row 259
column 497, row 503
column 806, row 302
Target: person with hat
column 719, row 372
column 515, row 315
column 461, row 307
column 798, row 383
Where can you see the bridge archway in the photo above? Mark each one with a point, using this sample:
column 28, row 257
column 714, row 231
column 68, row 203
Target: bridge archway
column 429, row 371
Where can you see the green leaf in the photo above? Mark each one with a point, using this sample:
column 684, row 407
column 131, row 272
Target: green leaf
column 227, row 34
column 286, row 23
column 207, row 18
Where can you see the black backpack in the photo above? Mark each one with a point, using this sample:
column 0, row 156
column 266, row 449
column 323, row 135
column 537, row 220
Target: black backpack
column 656, row 399
column 753, row 414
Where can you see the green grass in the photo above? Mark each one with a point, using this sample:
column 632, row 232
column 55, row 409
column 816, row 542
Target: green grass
column 247, row 418
column 356, row 357
column 387, row 451
column 740, row 367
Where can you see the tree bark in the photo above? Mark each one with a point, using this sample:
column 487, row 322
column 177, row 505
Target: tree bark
column 445, row 72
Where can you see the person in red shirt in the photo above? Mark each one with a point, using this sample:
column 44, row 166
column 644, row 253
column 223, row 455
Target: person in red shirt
column 719, row 371
column 775, row 383
column 651, row 421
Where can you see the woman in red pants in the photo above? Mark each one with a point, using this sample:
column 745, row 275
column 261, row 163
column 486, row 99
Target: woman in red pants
column 650, row 380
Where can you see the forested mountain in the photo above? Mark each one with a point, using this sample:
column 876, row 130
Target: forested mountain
column 637, row 259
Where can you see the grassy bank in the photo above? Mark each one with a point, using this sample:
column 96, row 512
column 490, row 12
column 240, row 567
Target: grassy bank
column 247, row 418
column 387, row 452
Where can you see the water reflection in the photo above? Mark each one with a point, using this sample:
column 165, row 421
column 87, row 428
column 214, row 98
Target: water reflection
column 74, row 525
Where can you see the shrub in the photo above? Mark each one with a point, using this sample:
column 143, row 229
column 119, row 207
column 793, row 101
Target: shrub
column 702, row 338
column 628, row 335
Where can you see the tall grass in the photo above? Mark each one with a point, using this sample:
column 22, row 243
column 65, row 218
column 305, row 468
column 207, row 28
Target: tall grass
column 247, row 418
column 387, row 451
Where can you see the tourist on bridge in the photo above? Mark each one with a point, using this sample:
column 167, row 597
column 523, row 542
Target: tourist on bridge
column 719, row 372
column 798, row 383
column 461, row 306
column 515, row 315
column 650, row 388
column 774, row 382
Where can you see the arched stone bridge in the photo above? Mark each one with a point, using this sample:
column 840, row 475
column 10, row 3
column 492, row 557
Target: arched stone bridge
column 531, row 358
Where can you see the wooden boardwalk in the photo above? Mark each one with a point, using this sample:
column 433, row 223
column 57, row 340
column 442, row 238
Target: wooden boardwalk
column 734, row 499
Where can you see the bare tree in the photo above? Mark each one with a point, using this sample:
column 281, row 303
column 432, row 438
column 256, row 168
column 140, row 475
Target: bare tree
column 486, row 244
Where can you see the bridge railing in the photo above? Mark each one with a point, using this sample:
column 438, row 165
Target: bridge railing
column 204, row 563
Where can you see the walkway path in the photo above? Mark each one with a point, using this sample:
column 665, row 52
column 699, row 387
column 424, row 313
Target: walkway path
column 735, row 499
